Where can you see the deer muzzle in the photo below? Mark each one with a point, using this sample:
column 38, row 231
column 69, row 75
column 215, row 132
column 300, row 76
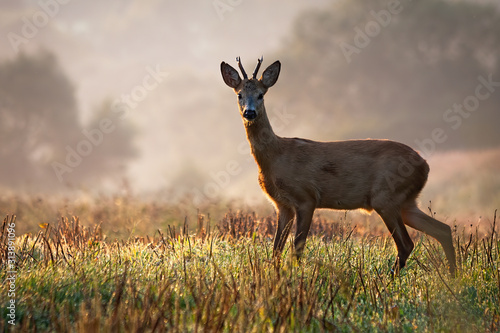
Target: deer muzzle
column 249, row 114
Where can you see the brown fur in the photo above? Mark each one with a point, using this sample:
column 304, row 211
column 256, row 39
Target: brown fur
column 300, row 175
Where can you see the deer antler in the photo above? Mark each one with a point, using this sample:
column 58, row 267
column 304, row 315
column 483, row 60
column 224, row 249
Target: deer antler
column 254, row 75
column 241, row 68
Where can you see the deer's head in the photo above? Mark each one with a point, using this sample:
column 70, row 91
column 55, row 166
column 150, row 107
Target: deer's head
column 251, row 91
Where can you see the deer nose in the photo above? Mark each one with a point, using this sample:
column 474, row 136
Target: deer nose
column 250, row 114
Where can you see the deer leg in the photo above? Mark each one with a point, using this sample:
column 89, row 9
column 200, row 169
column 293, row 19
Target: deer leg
column 415, row 218
column 285, row 220
column 394, row 222
column 304, row 218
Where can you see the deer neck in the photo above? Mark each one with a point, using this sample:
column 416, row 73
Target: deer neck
column 263, row 142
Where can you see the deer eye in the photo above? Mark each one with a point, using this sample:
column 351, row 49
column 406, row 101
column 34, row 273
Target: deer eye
column 239, row 96
column 260, row 96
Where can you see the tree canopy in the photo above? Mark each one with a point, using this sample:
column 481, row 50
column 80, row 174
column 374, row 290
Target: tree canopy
column 42, row 142
column 395, row 69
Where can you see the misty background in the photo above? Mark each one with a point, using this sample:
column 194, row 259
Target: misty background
column 102, row 97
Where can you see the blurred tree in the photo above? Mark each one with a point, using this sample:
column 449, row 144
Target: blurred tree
column 391, row 69
column 39, row 128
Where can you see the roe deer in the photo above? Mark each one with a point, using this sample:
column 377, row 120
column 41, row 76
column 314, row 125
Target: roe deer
column 300, row 175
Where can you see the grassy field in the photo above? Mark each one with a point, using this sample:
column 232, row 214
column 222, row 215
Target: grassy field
column 203, row 275
column 132, row 265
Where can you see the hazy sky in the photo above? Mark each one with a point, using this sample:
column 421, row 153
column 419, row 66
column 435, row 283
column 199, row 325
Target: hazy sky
column 109, row 48
column 105, row 46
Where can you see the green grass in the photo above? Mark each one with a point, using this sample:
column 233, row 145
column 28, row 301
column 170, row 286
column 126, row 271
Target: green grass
column 69, row 278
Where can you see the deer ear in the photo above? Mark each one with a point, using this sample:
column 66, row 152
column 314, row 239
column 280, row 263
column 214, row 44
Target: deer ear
column 230, row 75
column 270, row 75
